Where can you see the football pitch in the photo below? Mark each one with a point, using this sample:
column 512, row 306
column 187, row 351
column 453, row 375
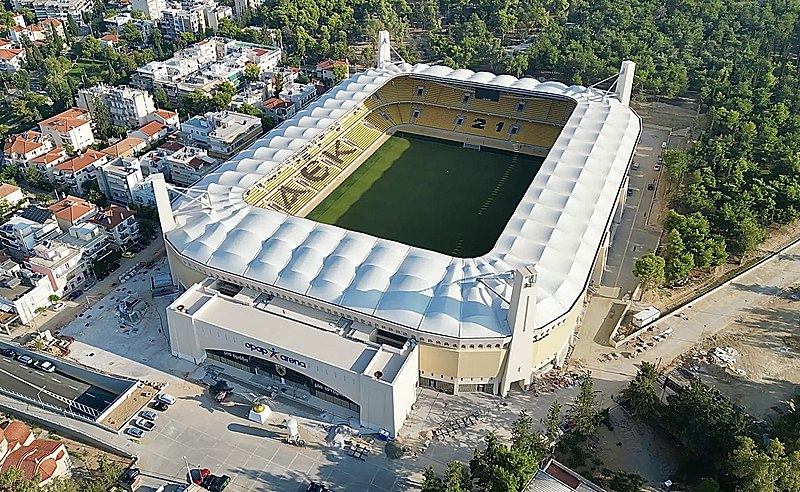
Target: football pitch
column 432, row 194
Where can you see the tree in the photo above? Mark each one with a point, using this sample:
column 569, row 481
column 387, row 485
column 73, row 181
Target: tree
column 769, row 470
column 553, row 423
column 252, row 73
column 161, row 99
column 89, row 47
column 13, row 480
column 339, row 73
column 499, row 468
column 278, row 83
column 676, row 163
column 101, row 119
column 457, row 479
column 54, row 298
column 157, row 41
column 649, row 269
column 583, row 410
column 623, row 481
column 131, row 33
column 788, row 426
column 641, row 393
column 94, row 195
column 223, row 95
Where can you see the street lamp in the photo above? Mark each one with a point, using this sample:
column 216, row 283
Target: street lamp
column 38, row 395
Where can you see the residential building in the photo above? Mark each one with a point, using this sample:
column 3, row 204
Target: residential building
column 126, row 147
column 70, row 129
column 63, row 264
column 119, row 224
column 27, row 228
column 300, row 94
column 189, row 164
column 112, row 41
column 118, row 177
column 89, row 238
column 143, row 194
column 20, row 149
column 203, row 66
column 151, row 132
column 242, row 6
column 44, row 459
column 150, row 8
column 75, row 173
column 22, row 292
column 176, row 21
column 145, row 26
column 325, row 69
column 46, row 163
column 36, row 32
column 11, row 59
column 555, row 477
column 128, row 107
column 167, row 118
column 12, row 195
column 154, row 161
column 279, row 109
column 223, row 134
column 55, row 9
column 71, row 211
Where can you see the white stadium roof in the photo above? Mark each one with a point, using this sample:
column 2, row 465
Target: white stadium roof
column 557, row 227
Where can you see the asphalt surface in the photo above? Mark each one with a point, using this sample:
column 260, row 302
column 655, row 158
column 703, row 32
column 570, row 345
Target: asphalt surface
column 33, row 383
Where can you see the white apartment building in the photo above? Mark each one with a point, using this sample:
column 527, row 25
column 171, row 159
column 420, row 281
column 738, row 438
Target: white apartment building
column 55, row 9
column 128, row 107
column 63, row 264
column 241, row 6
column 12, row 195
column 223, row 134
column 72, row 128
column 22, row 292
column 76, row 172
column 150, row 8
column 300, row 94
column 36, row 32
column 89, row 238
column 151, row 132
column 118, row 177
column 189, row 164
column 11, row 59
column 119, row 224
column 46, row 163
column 21, row 148
column 279, row 109
column 116, row 22
column 29, row 227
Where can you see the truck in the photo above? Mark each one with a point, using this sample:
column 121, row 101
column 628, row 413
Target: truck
column 646, row 317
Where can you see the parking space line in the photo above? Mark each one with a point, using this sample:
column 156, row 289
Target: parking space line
column 56, row 380
column 73, row 387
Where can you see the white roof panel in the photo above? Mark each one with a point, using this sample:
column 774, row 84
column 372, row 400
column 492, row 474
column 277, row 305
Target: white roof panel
column 557, row 227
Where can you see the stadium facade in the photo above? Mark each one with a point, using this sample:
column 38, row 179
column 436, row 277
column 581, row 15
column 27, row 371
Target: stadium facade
column 360, row 322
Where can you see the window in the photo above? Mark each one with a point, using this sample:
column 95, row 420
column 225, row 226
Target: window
column 465, row 99
column 459, row 121
column 415, row 113
column 420, row 91
column 385, row 116
column 514, row 129
column 520, row 106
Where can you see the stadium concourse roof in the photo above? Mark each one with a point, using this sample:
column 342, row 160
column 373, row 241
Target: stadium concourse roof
column 557, row 227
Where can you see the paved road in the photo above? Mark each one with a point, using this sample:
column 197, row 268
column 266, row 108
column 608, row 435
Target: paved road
column 17, row 377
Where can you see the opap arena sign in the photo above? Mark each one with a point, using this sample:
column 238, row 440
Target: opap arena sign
column 273, row 353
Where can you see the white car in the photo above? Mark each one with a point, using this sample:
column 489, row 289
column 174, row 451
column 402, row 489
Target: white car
column 46, row 366
column 165, row 398
column 58, row 306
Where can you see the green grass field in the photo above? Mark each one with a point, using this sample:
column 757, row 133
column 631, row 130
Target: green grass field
column 432, row 194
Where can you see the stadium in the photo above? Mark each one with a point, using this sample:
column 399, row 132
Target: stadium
column 415, row 226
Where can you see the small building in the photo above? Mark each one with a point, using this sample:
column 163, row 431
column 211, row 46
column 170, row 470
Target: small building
column 118, row 177
column 27, row 228
column 169, row 119
column 128, row 107
column 645, row 317
column 45, row 459
column 74, row 174
column 279, row 109
column 126, row 147
column 89, row 238
column 222, row 134
column 187, row 165
column 110, row 41
column 20, row 149
column 151, row 132
column 22, row 292
column 46, row 163
column 71, row 211
column 150, row 8
column 555, row 477
column 325, row 69
column 119, row 224
column 11, row 59
column 37, row 32
column 12, row 195
column 72, row 128
column 63, row 264
column 300, row 94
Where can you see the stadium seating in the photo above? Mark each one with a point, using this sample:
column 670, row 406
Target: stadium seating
column 362, row 135
column 486, row 125
column 538, row 134
column 437, row 117
column 378, row 121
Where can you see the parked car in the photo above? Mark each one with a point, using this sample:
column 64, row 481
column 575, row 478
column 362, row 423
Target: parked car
column 143, row 424
column 114, row 267
column 135, row 432
column 58, row 306
column 651, row 187
column 214, row 483
column 89, row 284
column 657, row 167
column 102, row 276
column 128, row 254
column 45, row 365
column 166, row 398
column 663, row 145
column 635, row 166
column 317, row 487
column 160, row 406
column 9, row 353
column 25, row 359
column 148, row 414
column 630, row 191
column 74, row 295
column 129, row 476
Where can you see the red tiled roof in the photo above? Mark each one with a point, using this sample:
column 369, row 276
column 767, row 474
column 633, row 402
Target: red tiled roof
column 329, row 64
column 124, row 146
column 7, row 189
column 68, row 120
column 112, row 216
column 15, row 431
column 152, row 128
column 110, row 38
column 163, row 113
column 4, row 42
column 171, row 146
column 72, row 208
column 34, row 458
column 48, row 22
column 10, row 53
column 51, row 156
column 274, row 103
column 23, row 143
column 79, row 162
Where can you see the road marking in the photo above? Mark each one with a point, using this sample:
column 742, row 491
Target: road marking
column 56, row 380
column 90, row 395
column 73, row 387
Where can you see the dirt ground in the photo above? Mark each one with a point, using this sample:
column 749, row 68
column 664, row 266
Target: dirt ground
column 766, row 346
column 130, row 407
